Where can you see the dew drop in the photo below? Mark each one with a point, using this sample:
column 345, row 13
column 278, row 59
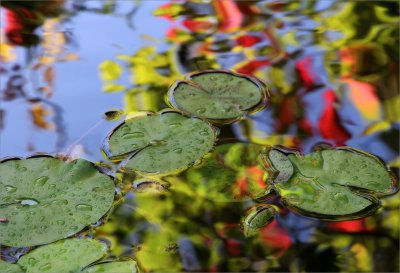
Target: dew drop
column 62, row 250
column 157, row 142
column 60, row 202
column 45, row 267
column 133, row 135
column 10, row 189
column 178, row 150
column 341, row 197
column 60, row 222
column 52, row 186
column 28, row 201
column 41, row 181
column 84, row 207
column 204, row 133
column 32, row 261
column 200, row 111
column 175, row 125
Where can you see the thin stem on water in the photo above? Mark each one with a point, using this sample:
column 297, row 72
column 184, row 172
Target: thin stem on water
column 70, row 148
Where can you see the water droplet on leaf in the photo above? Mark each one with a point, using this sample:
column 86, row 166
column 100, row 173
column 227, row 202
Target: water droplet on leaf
column 84, row 207
column 133, row 135
column 41, row 181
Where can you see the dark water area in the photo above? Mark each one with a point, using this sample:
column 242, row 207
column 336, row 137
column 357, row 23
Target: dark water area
column 72, row 70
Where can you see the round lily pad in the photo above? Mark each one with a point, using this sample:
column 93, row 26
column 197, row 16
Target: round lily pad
column 163, row 142
column 334, row 184
column 10, row 268
column 71, row 255
column 218, row 95
column 232, row 172
column 44, row 199
column 113, row 267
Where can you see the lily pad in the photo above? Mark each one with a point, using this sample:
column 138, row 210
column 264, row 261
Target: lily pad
column 71, row 255
column 10, row 268
column 232, row 172
column 332, row 184
column 218, row 95
column 257, row 217
column 113, row 267
column 163, row 142
column 44, row 199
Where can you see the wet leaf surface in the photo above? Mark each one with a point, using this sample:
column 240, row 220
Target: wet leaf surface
column 71, row 255
column 218, row 95
column 46, row 199
column 10, row 268
column 165, row 142
column 336, row 184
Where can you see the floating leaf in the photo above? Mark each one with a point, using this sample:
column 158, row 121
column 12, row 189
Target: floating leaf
column 232, row 172
column 164, row 142
column 218, row 95
column 71, row 255
column 46, row 199
column 336, row 184
column 113, row 267
column 256, row 218
column 9, row 268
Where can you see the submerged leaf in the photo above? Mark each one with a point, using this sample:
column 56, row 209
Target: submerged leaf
column 336, row 184
column 71, row 255
column 232, row 172
column 164, row 142
column 218, row 95
column 46, row 199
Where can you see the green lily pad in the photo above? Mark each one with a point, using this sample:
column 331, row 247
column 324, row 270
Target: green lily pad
column 232, row 172
column 164, row 142
column 10, row 268
column 71, row 255
column 218, row 95
column 44, row 199
column 113, row 267
column 332, row 184
column 257, row 217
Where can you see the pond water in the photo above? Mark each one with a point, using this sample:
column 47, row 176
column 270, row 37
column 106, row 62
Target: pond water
column 331, row 68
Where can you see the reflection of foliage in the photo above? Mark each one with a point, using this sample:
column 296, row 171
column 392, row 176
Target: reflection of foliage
column 42, row 75
column 338, row 51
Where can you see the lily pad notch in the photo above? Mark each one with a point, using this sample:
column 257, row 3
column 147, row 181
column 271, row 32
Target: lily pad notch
column 218, row 96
